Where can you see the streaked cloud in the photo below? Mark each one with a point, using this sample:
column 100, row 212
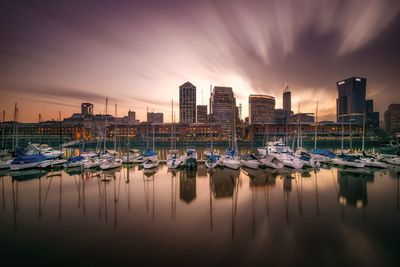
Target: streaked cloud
column 138, row 53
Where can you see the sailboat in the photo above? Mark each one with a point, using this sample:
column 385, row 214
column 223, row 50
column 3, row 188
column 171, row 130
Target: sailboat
column 231, row 159
column 173, row 159
column 191, row 158
column 108, row 162
column 269, row 160
column 150, row 159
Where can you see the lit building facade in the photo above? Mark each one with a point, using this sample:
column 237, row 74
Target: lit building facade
column 202, row 116
column 187, row 103
column 392, row 119
column 261, row 108
column 223, row 108
column 87, row 109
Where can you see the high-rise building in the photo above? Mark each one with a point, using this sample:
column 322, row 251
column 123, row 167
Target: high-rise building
column 202, row 114
column 131, row 116
column 187, row 103
column 392, row 118
column 155, row 117
column 371, row 116
column 87, row 109
column 223, row 108
column 261, row 109
column 350, row 103
column 287, row 100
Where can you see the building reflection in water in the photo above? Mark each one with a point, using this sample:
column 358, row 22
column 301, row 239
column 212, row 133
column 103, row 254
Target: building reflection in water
column 187, row 185
column 223, row 182
column 353, row 187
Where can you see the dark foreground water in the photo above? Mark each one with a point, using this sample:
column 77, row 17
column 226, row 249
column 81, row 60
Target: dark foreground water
column 330, row 217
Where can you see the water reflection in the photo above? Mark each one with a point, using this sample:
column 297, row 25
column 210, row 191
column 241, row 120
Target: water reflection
column 227, row 205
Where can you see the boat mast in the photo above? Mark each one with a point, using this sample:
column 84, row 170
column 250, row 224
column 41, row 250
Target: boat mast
column 316, row 127
column 60, row 133
column 172, row 124
column 2, row 133
column 342, row 135
column 147, row 128
column 115, row 129
column 153, row 139
column 363, row 133
column 105, row 129
column 234, row 133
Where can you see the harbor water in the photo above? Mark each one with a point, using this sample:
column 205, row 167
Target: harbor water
column 130, row 216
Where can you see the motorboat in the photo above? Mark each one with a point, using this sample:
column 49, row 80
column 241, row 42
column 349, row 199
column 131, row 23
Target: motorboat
column 174, row 160
column 27, row 161
column 110, row 163
column 191, row 158
column 45, row 150
column 52, row 163
column 284, row 154
column 75, row 161
column 250, row 161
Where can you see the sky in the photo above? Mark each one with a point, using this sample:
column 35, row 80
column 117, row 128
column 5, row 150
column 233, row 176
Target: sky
column 56, row 54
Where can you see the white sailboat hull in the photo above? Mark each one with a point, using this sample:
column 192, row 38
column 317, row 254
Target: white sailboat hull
column 108, row 165
column 16, row 167
column 354, row 164
column 52, row 163
column 231, row 164
column 5, row 164
column 394, row 161
column 252, row 164
column 151, row 165
column 174, row 163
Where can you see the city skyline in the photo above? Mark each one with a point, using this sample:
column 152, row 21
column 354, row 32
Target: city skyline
column 55, row 56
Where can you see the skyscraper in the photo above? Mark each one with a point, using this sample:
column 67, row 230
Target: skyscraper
column 261, row 108
column 372, row 117
column 223, row 108
column 202, row 114
column 350, row 104
column 287, row 100
column 87, row 109
column 392, row 118
column 187, row 103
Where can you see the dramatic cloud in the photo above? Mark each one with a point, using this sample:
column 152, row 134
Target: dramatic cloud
column 137, row 53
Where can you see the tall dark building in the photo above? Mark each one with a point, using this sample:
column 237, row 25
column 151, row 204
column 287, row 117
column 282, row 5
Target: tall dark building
column 392, row 118
column 202, row 114
column 223, row 108
column 371, row 116
column 87, row 109
column 350, row 103
column 187, row 103
column 287, row 100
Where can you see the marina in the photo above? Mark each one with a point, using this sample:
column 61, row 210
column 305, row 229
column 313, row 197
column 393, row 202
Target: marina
column 217, row 217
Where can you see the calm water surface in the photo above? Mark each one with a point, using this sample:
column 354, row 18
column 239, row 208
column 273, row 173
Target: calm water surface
column 132, row 217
